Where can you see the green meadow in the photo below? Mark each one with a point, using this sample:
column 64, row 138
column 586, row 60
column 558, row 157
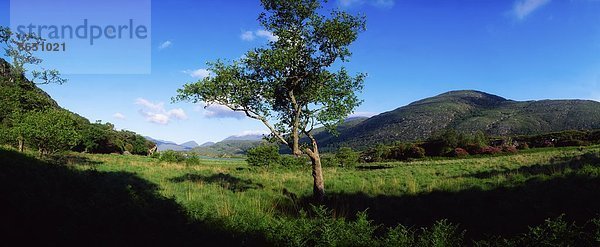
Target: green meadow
column 505, row 200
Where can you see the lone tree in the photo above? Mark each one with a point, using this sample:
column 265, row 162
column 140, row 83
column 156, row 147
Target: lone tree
column 289, row 84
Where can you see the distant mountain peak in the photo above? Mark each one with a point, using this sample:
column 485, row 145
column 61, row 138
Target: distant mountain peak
column 472, row 94
column 190, row 144
column 207, row 144
column 470, row 97
column 246, row 137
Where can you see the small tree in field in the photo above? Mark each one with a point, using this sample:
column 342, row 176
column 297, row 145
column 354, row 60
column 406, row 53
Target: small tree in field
column 288, row 85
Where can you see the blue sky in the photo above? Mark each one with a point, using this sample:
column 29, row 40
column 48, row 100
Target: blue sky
column 520, row 49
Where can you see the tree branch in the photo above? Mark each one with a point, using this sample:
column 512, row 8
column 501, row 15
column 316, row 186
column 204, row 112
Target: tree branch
column 251, row 114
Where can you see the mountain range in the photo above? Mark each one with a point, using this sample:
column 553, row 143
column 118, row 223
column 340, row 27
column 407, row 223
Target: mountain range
column 210, row 148
column 465, row 111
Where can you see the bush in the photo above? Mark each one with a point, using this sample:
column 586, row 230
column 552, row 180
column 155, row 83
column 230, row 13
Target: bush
column 523, row 146
column 155, row 155
column 50, row 131
column 489, row 150
column 263, row 155
column 293, row 161
column 442, row 234
column 171, row 156
column 405, row 152
column 509, row 149
column 554, row 232
column 572, row 143
column 129, row 147
column 322, row 229
column 328, row 160
column 347, row 157
column 192, row 160
column 415, row 152
column 459, row 152
column 377, row 154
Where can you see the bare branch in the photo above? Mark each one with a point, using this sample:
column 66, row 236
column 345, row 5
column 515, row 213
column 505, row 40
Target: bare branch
column 254, row 115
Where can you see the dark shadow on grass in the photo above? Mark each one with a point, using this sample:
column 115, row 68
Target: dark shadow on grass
column 54, row 205
column 373, row 167
column 72, row 160
column 502, row 211
column 224, row 180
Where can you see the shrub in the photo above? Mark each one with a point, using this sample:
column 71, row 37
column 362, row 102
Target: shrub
column 554, row 232
column 155, row 155
column 509, row 149
column 523, row 146
column 328, row 160
column 459, row 152
column 171, row 156
column 263, row 155
column 397, row 152
column 489, row 150
column 49, row 131
column 546, row 144
column 572, row 143
column 377, row 154
column 322, row 229
column 129, row 147
column 192, row 160
column 415, row 152
column 442, row 234
column 293, row 161
column 399, row 236
column 347, row 157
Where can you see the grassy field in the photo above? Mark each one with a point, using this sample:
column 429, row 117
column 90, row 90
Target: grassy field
column 228, row 202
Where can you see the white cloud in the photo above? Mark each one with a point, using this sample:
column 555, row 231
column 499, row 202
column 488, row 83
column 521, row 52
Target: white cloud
column 252, row 133
column 177, row 113
column 247, row 36
column 119, row 115
column 250, row 35
column 156, row 112
column 218, row 111
column 199, row 73
column 149, row 105
column 522, row 8
column 348, row 3
column 375, row 3
column 165, row 45
column 267, row 35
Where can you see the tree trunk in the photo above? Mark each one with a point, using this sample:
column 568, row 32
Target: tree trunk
column 21, row 145
column 317, row 173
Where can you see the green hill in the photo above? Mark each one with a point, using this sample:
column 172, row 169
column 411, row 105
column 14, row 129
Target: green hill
column 22, row 99
column 468, row 111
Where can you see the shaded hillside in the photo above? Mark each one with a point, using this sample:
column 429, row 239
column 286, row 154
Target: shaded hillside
column 468, row 111
column 20, row 98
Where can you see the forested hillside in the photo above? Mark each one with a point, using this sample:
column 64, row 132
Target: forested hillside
column 30, row 118
column 468, row 111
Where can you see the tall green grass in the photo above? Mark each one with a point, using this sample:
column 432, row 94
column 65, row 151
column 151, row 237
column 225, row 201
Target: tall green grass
column 487, row 201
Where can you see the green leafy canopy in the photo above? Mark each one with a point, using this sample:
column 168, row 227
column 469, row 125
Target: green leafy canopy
column 291, row 80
